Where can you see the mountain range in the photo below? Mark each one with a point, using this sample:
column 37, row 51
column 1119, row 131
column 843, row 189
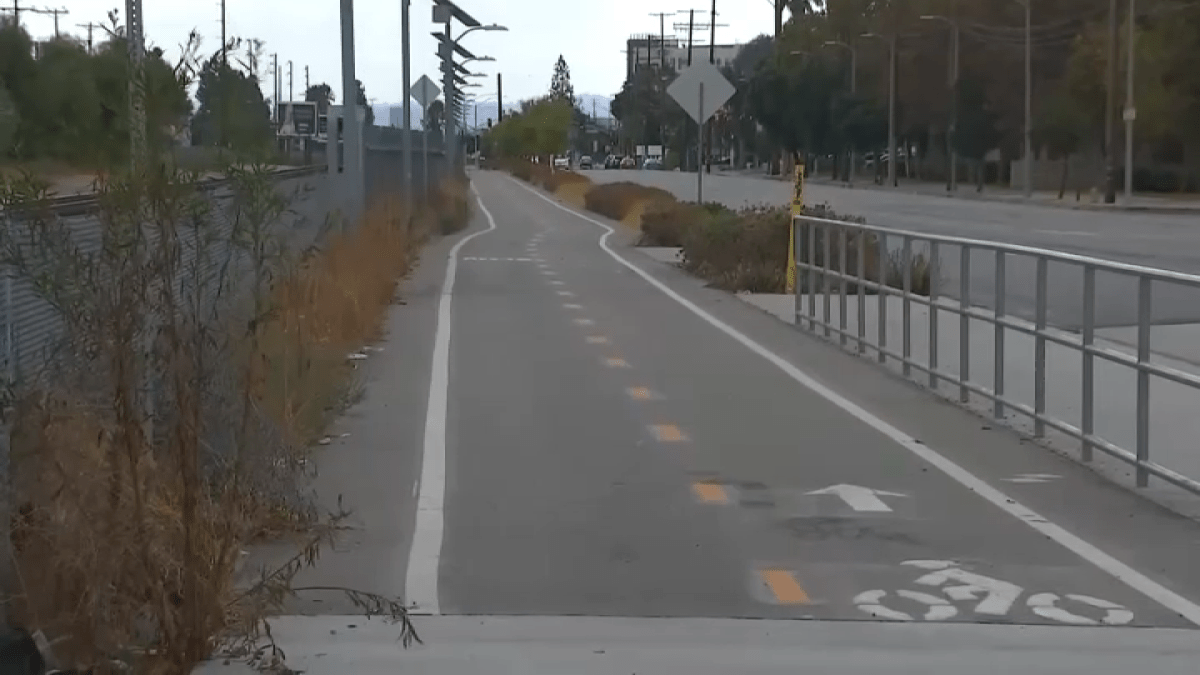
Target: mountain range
column 485, row 107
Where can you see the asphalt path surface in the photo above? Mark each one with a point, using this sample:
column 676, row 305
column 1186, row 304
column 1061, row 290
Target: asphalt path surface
column 559, row 426
column 1153, row 240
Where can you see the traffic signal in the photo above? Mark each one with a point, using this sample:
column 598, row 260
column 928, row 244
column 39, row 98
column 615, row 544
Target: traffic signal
column 489, row 123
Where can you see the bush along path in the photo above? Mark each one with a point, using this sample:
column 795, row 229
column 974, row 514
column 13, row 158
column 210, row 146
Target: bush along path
column 200, row 362
column 740, row 251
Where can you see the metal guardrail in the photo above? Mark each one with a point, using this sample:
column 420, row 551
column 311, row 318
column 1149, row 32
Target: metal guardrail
column 824, row 273
column 83, row 204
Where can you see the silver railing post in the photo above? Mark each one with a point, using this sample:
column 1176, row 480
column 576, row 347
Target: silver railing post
column 861, row 271
column 1087, row 422
column 964, row 323
column 1039, row 350
column 842, row 284
column 826, row 268
column 1143, row 381
column 882, row 294
column 906, row 306
column 811, row 232
column 998, row 353
column 933, row 314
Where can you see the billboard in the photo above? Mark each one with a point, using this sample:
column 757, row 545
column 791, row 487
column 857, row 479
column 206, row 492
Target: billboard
column 298, row 119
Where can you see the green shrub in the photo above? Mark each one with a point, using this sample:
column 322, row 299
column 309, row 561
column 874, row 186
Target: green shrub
column 553, row 181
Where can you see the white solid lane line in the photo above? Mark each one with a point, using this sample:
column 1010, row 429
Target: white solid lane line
column 421, row 581
column 1090, row 553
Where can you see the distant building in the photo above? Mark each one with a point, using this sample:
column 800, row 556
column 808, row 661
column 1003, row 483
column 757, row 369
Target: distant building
column 653, row 51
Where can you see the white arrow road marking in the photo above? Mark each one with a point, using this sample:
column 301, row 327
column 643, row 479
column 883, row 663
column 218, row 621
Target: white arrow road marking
column 1046, row 606
column 939, row 608
column 859, row 498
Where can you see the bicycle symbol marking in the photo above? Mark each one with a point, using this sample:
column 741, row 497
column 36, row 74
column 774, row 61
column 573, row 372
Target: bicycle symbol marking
column 993, row 597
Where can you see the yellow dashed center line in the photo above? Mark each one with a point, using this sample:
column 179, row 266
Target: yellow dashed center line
column 667, row 433
column 710, row 493
column 597, row 340
column 784, row 587
column 640, row 393
column 615, row 362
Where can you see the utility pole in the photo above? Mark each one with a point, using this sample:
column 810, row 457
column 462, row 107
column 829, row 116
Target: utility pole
column 352, row 174
column 1110, row 183
column 406, row 148
column 224, row 38
column 89, row 26
column 307, row 86
column 662, row 38
column 137, row 108
column 291, row 91
column 712, row 59
column 779, row 5
column 1130, row 113
column 1027, row 165
column 55, row 12
column 499, row 98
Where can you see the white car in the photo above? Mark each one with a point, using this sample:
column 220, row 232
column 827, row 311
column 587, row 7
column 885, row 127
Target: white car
column 562, row 162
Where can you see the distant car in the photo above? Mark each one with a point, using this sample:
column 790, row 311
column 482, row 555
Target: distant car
column 629, row 163
column 585, row 162
column 562, row 162
column 652, row 165
column 612, row 162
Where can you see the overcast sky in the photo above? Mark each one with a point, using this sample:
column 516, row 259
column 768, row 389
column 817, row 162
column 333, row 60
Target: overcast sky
column 589, row 34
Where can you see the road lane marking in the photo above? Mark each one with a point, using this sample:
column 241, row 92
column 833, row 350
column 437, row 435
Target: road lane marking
column 641, row 394
column 616, row 362
column 424, row 555
column 572, row 305
column 1095, row 556
column 860, row 498
column 584, row 322
column 556, row 282
column 565, row 294
column 710, row 493
column 548, row 273
column 597, row 340
column 667, row 433
column 784, row 587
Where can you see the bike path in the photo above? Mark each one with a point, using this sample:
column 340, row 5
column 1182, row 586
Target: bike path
column 798, row 503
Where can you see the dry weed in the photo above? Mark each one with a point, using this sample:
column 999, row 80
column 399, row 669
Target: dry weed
column 198, row 362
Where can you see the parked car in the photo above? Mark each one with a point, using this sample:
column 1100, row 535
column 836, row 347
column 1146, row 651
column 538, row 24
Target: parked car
column 653, row 164
column 585, row 162
column 612, row 162
column 562, row 162
column 628, row 163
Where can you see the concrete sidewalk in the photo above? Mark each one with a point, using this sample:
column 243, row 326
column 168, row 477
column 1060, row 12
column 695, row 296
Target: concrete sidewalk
column 1174, row 423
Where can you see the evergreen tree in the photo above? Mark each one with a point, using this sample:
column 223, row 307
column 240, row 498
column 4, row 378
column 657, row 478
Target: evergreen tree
column 560, row 84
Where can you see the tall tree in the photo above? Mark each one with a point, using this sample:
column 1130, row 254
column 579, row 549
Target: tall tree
column 362, row 100
column 560, row 84
column 232, row 111
column 322, row 95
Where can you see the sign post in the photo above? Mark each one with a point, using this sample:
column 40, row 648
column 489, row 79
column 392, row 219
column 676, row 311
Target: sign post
column 704, row 85
column 797, row 211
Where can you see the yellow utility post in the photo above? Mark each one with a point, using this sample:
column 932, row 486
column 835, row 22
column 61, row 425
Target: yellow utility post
column 797, row 210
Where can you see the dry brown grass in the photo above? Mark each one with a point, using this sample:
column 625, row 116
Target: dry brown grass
column 132, row 520
column 624, row 201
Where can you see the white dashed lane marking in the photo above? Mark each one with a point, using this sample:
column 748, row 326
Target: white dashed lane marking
column 481, row 258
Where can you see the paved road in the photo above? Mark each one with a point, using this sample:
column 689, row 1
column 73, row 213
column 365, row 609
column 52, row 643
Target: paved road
column 606, row 437
column 1153, row 240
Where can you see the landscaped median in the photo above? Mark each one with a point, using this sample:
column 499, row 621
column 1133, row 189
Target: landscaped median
column 744, row 250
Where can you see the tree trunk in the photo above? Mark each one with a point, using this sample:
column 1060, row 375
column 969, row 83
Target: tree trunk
column 1062, row 185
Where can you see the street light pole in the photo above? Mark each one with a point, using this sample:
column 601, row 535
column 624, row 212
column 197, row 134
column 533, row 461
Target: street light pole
column 853, row 88
column 1130, row 109
column 1110, row 182
column 951, row 150
column 406, row 148
column 352, row 174
column 1027, row 165
column 891, row 42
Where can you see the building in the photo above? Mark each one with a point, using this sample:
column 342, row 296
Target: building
column 653, row 50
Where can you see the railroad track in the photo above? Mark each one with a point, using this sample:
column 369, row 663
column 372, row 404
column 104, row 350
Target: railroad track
column 76, row 205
